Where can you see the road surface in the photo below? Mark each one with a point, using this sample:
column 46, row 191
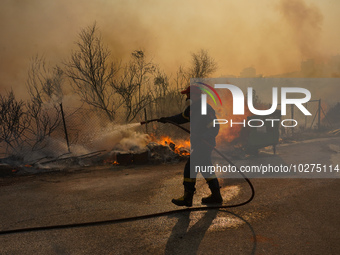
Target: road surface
column 287, row 216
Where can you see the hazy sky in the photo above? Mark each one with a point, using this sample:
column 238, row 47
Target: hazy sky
column 272, row 36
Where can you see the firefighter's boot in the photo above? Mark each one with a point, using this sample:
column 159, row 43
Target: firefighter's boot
column 186, row 199
column 215, row 197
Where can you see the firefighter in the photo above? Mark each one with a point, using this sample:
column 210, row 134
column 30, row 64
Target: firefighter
column 202, row 140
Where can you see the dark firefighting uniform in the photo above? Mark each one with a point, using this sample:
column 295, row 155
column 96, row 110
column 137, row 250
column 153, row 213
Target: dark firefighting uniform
column 202, row 141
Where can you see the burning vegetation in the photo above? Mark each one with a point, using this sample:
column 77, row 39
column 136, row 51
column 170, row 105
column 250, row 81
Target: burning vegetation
column 55, row 121
column 179, row 146
column 158, row 150
column 84, row 123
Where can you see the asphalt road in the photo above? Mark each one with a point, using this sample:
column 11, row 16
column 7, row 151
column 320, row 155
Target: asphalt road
column 287, row 216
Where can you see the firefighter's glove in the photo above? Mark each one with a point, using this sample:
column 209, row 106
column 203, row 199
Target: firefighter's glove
column 162, row 120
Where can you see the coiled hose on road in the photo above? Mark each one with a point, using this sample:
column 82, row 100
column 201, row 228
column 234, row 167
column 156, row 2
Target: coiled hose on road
column 141, row 217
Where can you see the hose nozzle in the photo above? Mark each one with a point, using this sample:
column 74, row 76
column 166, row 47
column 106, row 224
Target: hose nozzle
column 148, row 121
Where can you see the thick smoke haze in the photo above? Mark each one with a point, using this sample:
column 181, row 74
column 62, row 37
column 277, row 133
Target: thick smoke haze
column 305, row 24
column 271, row 36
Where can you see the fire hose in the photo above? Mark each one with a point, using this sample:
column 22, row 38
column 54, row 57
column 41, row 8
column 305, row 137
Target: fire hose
column 225, row 158
column 142, row 217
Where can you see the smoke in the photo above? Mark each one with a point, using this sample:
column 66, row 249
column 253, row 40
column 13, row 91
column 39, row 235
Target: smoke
column 51, row 28
column 305, row 25
column 112, row 137
column 53, row 148
column 119, row 137
column 272, row 38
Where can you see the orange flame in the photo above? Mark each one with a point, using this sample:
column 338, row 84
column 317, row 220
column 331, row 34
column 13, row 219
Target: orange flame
column 111, row 161
column 227, row 133
column 179, row 146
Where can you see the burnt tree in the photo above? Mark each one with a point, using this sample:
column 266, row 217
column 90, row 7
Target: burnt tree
column 133, row 85
column 13, row 123
column 92, row 72
column 44, row 88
